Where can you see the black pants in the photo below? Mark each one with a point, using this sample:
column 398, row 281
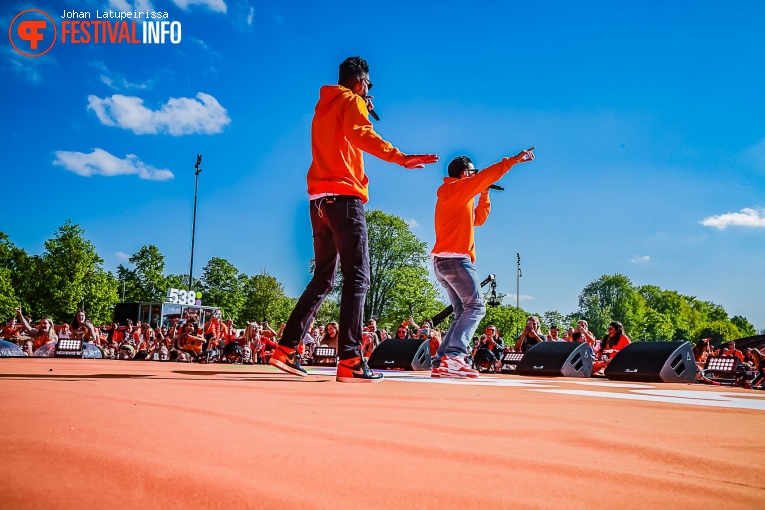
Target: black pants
column 339, row 230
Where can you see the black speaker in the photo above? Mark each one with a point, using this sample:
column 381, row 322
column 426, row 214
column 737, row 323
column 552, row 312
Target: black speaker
column 654, row 362
column 567, row 359
column 401, row 354
column 125, row 311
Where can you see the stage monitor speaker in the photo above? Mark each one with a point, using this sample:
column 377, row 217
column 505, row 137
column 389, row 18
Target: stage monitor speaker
column 554, row 359
column 401, row 354
column 666, row 362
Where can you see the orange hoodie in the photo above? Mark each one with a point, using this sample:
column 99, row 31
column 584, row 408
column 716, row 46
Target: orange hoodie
column 340, row 134
column 455, row 216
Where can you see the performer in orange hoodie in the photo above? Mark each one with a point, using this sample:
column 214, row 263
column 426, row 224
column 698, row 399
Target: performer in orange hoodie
column 337, row 190
column 454, row 255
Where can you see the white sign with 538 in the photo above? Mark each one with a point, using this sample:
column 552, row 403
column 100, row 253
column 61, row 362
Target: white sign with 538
column 182, row 297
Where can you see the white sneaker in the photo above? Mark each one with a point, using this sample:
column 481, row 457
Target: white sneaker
column 456, row 368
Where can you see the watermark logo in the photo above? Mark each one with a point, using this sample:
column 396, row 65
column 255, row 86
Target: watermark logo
column 32, row 33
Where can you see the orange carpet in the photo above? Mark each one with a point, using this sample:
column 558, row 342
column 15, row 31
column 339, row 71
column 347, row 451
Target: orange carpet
column 115, row 434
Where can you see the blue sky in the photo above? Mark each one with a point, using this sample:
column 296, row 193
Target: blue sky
column 647, row 118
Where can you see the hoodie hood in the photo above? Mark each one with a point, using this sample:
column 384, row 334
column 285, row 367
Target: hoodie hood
column 329, row 94
column 340, row 134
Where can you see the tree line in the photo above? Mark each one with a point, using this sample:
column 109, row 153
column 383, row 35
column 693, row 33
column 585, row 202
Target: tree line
column 69, row 276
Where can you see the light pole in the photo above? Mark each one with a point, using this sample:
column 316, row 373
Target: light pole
column 518, row 283
column 194, row 221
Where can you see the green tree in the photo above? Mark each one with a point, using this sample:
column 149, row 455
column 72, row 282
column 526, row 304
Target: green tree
column 146, row 281
column 744, row 326
column 508, row 319
column 22, row 273
column 672, row 305
column 395, row 255
column 710, row 311
column 329, row 311
column 718, row 331
column 658, row 326
column 223, row 286
column 100, row 295
column 8, row 299
column 392, row 247
column 413, row 295
column 70, row 277
column 9, row 277
column 557, row 318
column 264, row 299
column 611, row 298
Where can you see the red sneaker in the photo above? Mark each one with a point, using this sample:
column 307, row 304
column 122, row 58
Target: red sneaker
column 287, row 360
column 456, row 368
column 355, row 370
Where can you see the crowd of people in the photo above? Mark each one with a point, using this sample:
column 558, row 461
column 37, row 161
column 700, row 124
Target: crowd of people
column 186, row 340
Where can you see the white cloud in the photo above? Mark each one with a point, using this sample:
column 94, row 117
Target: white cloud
column 213, row 5
column 143, row 5
column 108, row 81
column 100, row 162
column 524, row 297
column 206, row 47
column 122, row 256
column 137, row 5
column 29, row 68
column 412, row 223
column 640, row 259
column 747, row 217
column 242, row 14
column 179, row 116
column 117, row 81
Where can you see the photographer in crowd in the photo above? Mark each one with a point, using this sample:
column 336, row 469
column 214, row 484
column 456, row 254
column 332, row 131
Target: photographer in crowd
column 530, row 336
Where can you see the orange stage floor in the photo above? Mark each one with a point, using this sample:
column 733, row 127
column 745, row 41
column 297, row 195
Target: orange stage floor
column 115, row 434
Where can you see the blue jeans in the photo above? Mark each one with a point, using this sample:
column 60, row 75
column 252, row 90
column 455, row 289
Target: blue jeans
column 339, row 230
column 458, row 276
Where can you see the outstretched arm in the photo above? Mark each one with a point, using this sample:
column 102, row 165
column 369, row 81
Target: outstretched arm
column 419, row 160
column 23, row 320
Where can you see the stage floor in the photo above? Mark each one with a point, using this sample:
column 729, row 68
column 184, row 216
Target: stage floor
column 117, row 434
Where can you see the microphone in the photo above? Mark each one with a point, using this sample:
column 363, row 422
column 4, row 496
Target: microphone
column 496, row 188
column 368, row 101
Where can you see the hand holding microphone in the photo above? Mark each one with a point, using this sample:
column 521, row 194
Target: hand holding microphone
column 371, row 107
column 521, row 157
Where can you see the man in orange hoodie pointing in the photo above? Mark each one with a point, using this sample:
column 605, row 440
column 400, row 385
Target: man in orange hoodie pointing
column 337, row 190
column 454, row 254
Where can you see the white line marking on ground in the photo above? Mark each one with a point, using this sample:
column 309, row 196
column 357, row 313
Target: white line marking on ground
column 697, row 398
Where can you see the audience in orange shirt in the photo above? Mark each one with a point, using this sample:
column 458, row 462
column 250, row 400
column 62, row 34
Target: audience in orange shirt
column 732, row 351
